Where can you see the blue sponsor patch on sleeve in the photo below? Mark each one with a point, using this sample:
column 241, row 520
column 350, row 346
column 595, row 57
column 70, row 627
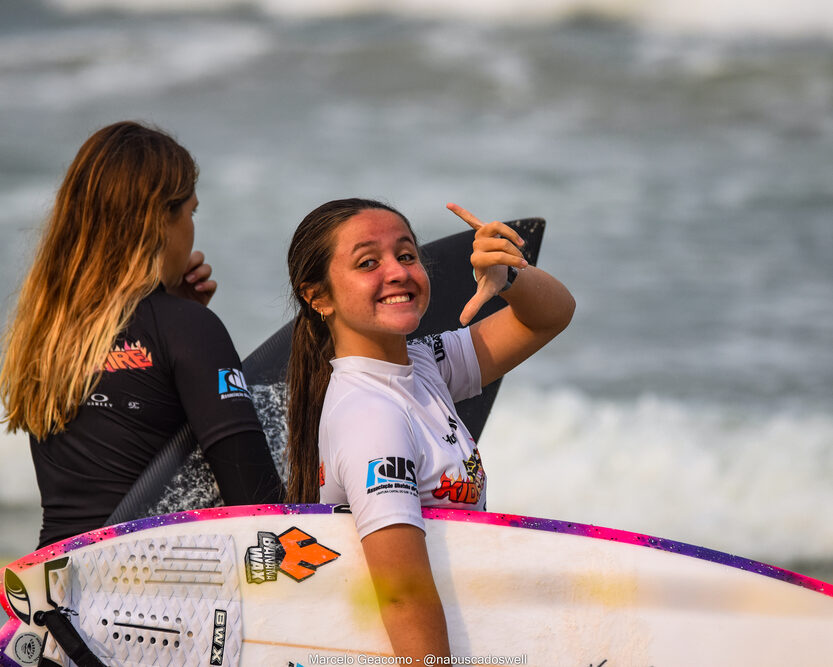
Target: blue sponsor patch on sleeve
column 232, row 384
column 392, row 473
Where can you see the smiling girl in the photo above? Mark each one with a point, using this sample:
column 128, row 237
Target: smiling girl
column 372, row 420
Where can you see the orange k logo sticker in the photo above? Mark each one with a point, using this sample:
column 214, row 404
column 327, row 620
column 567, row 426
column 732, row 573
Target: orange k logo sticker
column 302, row 554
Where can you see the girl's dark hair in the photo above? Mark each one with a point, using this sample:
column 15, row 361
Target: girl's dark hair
column 308, row 373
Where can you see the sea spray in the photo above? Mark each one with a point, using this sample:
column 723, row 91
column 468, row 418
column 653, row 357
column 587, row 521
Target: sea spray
column 737, row 480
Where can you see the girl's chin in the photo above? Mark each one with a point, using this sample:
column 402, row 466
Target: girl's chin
column 404, row 326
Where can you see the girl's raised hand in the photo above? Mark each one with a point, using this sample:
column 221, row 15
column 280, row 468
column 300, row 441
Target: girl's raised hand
column 496, row 246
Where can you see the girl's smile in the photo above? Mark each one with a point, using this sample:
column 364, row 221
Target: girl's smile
column 378, row 288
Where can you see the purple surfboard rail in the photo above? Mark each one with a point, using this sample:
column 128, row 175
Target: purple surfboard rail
column 517, row 521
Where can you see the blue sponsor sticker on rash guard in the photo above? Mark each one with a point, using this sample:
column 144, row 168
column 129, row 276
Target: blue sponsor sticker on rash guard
column 232, row 384
column 391, row 474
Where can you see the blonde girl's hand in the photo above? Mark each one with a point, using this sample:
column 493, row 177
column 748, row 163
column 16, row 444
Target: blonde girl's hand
column 496, row 246
column 196, row 284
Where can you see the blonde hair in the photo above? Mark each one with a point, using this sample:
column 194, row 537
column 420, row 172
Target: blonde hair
column 100, row 254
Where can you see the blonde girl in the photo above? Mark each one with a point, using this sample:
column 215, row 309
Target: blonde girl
column 111, row 347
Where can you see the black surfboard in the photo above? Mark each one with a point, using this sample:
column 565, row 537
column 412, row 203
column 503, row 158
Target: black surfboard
column 179, row 478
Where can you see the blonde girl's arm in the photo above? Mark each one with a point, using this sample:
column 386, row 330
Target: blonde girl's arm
column 412, row 612
column 539, row 306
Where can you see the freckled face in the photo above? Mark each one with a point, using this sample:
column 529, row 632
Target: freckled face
column 180, row 242
column 379, row 290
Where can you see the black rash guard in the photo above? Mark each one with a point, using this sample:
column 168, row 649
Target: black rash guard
column 173, row 363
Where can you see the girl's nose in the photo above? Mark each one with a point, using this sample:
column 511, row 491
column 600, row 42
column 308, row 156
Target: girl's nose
column 395, row 272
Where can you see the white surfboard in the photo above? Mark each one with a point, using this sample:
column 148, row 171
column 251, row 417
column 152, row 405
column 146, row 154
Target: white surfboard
column 288, row 586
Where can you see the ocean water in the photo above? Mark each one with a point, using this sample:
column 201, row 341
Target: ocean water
column 680, row 154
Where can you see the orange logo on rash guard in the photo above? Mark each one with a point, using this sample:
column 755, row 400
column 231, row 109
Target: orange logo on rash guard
column 128, row 357
column 460, row 489
column 321, row 474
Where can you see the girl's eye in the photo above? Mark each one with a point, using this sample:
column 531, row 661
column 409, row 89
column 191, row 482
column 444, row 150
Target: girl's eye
column 406, row 257
column 367, row 263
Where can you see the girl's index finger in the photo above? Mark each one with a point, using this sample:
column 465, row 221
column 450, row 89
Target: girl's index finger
column 472, row 220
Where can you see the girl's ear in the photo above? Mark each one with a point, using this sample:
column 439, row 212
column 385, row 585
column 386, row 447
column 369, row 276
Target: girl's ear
column 316, row 298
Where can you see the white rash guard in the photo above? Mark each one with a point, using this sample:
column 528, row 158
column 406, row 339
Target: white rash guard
column 390, row 440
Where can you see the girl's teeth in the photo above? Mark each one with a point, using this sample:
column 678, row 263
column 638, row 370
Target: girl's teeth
column 396, row 299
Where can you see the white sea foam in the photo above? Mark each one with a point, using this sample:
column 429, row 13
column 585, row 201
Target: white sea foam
column 67, row 66
column 783, row 17
column 755, row 485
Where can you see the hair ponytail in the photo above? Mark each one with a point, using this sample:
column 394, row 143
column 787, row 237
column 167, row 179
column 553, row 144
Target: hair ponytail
column 307, row 377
